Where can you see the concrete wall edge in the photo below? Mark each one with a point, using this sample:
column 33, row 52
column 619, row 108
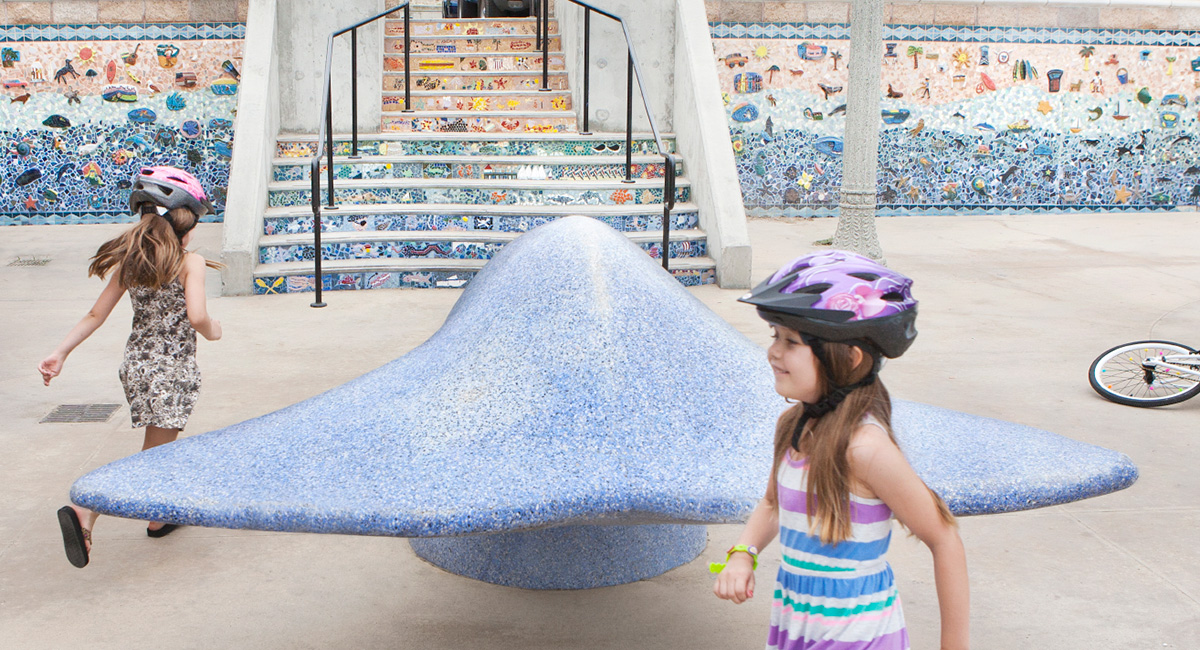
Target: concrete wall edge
column 253, row 150
column 702, row 137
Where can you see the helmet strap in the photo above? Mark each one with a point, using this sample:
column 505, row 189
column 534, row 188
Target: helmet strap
column 834, row 397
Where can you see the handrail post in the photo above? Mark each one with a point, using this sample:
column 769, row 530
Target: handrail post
column 329, row 143
column 315, row 175
column 407, row 67
column 545, row 46
column 629, row 120
column 354, row 92
column 668, row 205
column 587, row 67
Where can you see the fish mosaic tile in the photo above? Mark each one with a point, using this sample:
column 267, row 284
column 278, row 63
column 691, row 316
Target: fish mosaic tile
column 972, row 118
column 446, row 29
column 88, row 105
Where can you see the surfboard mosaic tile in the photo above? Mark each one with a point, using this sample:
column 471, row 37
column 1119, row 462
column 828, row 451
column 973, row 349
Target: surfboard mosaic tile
column 88, row 105
column 981, row 119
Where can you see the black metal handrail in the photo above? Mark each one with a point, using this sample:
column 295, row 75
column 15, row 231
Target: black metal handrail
column 325, row 137
column 632, row 70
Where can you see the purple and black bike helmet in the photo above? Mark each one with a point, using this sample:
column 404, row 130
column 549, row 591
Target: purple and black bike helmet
column 843, row 297
column 169, row 188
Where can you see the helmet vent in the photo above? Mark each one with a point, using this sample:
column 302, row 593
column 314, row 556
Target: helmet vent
column 816, row 289
column 862, row 275
column 893, row 296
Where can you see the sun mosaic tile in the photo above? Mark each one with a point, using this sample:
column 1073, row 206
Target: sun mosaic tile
column 992, row 119
column 88, row 105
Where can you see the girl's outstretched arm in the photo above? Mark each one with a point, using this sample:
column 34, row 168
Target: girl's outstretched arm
column 736, row 581
column 197, row 305
column 876, row 462
column 52, row 365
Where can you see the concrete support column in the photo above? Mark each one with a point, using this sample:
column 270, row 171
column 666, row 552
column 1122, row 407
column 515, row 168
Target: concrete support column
column 856, row 223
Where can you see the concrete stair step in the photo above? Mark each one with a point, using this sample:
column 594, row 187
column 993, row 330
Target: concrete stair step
column 478, row 218
column 477, row 101
column 474, row 81
column 492, row 62
column 480, row 122
column 303, row 145
column 467, row 27
column 480, row 192
column 515, row 43
column 594, row 167
column 464, row 244
column 390, row 273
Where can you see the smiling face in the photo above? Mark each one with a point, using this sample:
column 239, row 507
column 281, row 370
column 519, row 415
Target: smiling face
column 797, row 375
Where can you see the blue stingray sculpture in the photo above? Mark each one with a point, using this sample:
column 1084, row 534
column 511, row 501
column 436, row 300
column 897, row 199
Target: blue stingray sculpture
column 570, row 424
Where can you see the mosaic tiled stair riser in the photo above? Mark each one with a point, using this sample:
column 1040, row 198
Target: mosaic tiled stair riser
column 608, row 405
column 518, row 222
column 980, row 119
column 88, row 105
column 510, row 168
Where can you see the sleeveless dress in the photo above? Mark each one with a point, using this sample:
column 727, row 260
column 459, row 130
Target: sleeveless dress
column 159, row 372
column 833, row 597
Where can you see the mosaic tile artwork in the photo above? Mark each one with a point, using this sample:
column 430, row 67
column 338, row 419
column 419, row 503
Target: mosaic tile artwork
column 88, row 105
column 586, row 380
column 972, row 118
column 499, row 147
column 474, row 196
column 464, row 250
column 342, row 222
column 480, row 169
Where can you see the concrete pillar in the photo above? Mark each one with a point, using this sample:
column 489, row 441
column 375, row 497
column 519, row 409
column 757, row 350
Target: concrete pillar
column 856, row 224
column 304, row 27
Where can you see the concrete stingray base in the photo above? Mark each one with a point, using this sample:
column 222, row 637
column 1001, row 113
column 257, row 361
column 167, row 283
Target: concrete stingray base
column 575, row 400
column 566, row 557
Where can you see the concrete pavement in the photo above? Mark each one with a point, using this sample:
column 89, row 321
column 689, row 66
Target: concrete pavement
column 1013, row 310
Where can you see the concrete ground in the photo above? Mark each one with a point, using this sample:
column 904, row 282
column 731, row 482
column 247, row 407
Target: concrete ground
column 1013, row 310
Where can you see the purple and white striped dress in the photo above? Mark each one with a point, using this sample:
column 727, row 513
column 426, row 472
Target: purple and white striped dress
column 833, row 597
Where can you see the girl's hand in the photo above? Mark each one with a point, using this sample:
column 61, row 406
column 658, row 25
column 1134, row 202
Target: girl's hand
column 736, row 581
column 214, row 330
column 50, row 367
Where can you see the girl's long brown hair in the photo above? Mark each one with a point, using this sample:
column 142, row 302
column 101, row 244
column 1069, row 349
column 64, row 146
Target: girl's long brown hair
column 150, row 254
column 825, row 441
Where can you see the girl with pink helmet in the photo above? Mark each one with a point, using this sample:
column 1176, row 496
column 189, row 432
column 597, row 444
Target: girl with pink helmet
column 838, row 479
column 166, row 285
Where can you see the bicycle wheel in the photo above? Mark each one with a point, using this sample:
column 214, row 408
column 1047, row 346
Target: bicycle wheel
column 1118, row 375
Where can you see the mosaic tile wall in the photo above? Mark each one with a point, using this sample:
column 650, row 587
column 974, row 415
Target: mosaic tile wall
column 992, row 119
column 88, row 105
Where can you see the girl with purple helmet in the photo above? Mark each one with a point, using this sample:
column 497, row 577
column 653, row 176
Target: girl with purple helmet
column 838, row 478
column 166, row 285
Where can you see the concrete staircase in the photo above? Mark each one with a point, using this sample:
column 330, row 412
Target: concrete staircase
column 484, row 157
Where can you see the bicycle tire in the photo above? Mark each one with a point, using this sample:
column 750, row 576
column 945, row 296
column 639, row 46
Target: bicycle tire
column 1117, row 375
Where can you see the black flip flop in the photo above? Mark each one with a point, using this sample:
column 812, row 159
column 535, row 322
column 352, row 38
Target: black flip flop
column 161, row 532
column 73, row 537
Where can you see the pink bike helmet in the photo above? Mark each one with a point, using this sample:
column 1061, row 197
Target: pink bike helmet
column 169, row 188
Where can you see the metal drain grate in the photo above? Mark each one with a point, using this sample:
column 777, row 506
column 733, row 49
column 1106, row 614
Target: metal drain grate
column 81, row 413
column 30, row 261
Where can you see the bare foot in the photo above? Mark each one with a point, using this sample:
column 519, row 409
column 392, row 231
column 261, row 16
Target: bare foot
column 87, row 519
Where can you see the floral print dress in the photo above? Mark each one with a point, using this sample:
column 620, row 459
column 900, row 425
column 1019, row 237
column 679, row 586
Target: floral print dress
column 159, row 373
